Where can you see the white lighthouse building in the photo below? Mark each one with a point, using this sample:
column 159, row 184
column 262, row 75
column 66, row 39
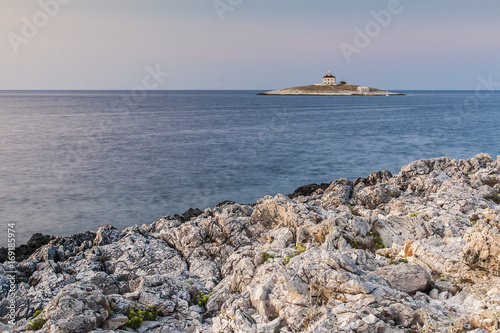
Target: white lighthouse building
column 329, row 79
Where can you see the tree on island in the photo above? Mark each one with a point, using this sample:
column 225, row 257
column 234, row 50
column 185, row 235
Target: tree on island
column 342, row 82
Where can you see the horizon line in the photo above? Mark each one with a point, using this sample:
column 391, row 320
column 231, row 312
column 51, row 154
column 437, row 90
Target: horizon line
column 152, row 90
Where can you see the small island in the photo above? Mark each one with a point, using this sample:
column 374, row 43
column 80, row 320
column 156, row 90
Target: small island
column 330, row 87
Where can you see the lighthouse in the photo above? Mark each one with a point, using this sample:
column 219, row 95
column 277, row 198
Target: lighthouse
column 329, row 79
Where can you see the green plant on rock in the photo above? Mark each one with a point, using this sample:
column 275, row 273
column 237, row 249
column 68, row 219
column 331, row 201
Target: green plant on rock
column 287, row 258
column 353, row 210
column 351, row 241
column 376, row 238
column 266, row 256
column 490, row 182
column 300, row 248
column 493, row 197
column 37, row 321
column 414, row 214
column 201, row 298
column 137, row 316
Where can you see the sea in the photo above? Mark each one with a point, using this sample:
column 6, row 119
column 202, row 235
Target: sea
column 71, row 161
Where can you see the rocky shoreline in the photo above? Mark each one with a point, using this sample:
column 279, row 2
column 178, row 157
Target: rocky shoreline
column 418, row 251
column 329, row 90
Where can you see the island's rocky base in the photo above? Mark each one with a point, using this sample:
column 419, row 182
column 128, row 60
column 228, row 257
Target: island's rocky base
column 329, row 90
column 417, row 251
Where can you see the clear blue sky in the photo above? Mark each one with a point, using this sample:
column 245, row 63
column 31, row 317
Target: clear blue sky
column 248, row 44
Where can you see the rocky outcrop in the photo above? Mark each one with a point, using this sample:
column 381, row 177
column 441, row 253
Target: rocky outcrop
column 24, row 251
column 406, row 278
column 482, row 250
column 418, row 250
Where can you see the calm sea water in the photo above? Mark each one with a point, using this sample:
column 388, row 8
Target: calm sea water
column 71, row 161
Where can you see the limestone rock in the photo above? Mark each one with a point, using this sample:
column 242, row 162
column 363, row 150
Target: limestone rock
column 115, row 321
column 77, row 308
column 406, row 278
column 373, row 196
column 483, row 247
column 338, row 193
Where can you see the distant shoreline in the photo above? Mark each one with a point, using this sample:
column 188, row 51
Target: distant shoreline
column 330, row 90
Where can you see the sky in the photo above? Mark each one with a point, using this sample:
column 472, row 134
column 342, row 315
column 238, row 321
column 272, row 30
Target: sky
column 247, row 44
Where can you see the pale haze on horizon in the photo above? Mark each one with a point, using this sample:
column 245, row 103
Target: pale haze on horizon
column 248, row 44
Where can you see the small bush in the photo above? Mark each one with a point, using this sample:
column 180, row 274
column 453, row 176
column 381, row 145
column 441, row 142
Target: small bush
column 201, row 298
column 371, row 244
column 493, row 197
column 351, row 241
column 376, row 238
column 136, row 317
column 37, row 322
column 266, row 256
column 300, row 248
column 414, row 214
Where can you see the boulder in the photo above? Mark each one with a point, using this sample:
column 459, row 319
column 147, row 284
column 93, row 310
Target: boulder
column 338, row 193
column 307, row 190
column 77, row 308
column 24, row 251
column 373, row 196
column 406, row 278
